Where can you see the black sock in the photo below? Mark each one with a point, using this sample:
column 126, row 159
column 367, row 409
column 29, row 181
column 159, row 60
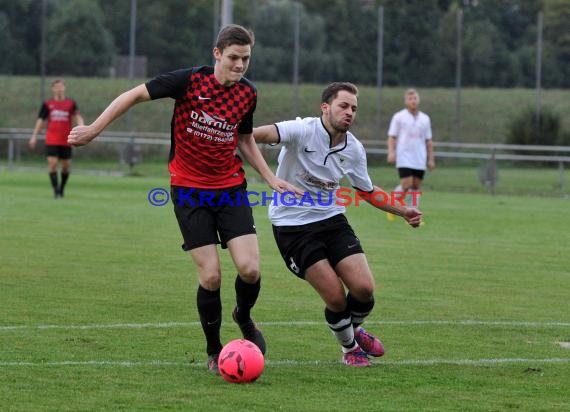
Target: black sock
column 246, row 296
column 210, row 311
column 358, row 310
column 64, row 177
column 53, row 178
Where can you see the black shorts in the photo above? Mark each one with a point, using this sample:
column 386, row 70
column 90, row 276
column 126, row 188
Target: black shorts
column 59, row 151
column 210, row 217
column 302, row 246
column 407, row 172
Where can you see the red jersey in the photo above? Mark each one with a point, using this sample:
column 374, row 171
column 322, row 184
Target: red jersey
column 205, row 125
column 59, row 114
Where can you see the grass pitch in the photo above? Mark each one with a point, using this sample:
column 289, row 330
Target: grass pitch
column 98, row 308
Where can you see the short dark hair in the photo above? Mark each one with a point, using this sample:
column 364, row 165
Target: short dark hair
column 331, row 91
column 234, row 34
column 56, row 81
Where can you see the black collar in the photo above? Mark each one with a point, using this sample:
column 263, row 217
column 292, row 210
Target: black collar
column 330, row 142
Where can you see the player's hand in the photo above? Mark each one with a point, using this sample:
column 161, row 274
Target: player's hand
column 412, row 216
column 391, row 157
column 282, row 186
column 32, row 143
column 431, row 165
column 81, row 135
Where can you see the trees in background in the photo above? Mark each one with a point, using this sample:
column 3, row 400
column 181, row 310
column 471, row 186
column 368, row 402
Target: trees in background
column 274, row 27
column 557, row 39
column 79, row 39
column 338, row 38
column 19, row 36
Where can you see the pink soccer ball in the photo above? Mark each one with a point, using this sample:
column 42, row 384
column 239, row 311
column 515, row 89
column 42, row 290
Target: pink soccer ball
column 240, row 361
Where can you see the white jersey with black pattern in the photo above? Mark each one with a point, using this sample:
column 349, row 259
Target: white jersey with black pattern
column 307, row 161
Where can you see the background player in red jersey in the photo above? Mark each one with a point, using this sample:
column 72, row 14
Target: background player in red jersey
column 59, row 112
column 213, row 117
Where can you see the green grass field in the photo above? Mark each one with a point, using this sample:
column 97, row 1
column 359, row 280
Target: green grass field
column 98, row 308
column 497, row 107
column 464, row 178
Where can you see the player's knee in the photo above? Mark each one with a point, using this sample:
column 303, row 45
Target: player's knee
column 336, row 302
column 210, row 279
column 249, row 272
column 211, row 283
column 363, row 292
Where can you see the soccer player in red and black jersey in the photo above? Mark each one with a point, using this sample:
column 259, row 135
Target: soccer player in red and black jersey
column 59, row 112
column 213, row 117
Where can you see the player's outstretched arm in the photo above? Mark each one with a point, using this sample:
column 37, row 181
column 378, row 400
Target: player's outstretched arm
column 249, row 149
column 82, row 135
column 430, row 155
column 266, row 134
column 391, row 149
column 79, row 121
column 37, row 128
column 384, row 201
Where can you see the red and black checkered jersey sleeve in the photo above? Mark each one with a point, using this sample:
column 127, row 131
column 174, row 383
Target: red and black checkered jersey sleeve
column 172, row 84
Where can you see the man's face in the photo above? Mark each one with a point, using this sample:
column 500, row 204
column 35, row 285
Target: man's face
column 58, row 89
column 232, row 63
column 341, row 112
column 412, row 101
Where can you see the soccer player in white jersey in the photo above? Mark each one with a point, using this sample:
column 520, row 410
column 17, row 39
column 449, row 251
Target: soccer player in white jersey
column 410, row 146
column 316, row 241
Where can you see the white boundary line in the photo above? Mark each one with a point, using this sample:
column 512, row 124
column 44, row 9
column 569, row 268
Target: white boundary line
column 289, row 362
column 165, row 325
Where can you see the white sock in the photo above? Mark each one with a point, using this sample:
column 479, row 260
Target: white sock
column 398, row 189
column 413, row 201
column 344, row 332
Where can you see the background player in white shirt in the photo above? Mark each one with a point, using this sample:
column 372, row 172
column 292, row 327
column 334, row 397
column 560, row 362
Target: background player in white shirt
column 317, row 242
column 410, row 146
